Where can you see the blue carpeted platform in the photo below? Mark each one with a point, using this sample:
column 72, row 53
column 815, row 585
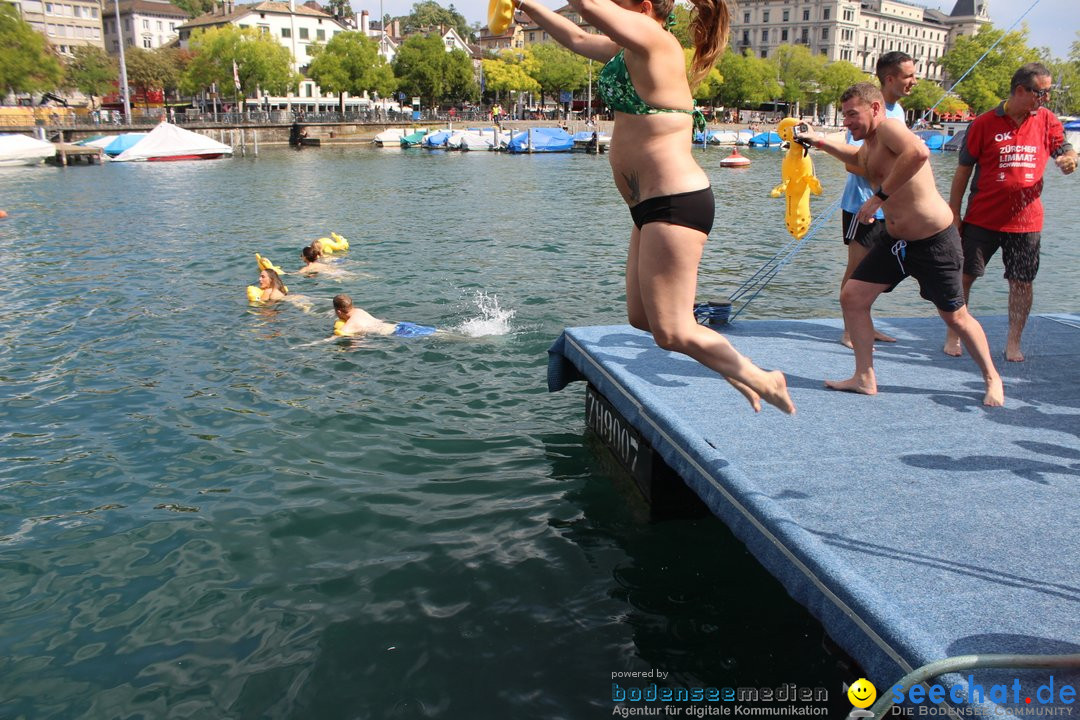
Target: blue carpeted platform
column 916, row 524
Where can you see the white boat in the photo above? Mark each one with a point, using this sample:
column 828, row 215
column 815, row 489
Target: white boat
column 168, row 142
column 477, row 139
column 18, row 149
column 723, row 137
column 390, row 136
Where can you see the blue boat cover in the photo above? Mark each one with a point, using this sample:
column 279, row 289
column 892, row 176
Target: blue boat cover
column 543, row 140
column 916, row 524
column 1073, row 125
column 934, row 139
column 436, row 139
column 122, row 143
column 766, row 138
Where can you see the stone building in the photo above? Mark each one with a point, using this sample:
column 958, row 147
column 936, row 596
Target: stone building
column 65, row 25
column 147, row 24
column 856, row 31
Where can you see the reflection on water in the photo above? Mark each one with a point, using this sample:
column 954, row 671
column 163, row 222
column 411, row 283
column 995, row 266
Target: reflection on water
column 208, row 510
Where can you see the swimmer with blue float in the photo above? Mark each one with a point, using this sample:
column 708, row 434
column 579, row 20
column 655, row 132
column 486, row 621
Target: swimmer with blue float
column 357, row 321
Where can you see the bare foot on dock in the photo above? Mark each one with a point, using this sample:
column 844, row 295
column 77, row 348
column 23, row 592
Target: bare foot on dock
column 1013, row 353
column 953, row 347
column 775, row 392
column 882, row 337
column 862, row 384
column 878, row 337
column 995, row 393
column 749, row 394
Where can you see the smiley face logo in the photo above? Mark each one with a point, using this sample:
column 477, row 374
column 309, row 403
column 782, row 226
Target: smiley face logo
column 862, row 693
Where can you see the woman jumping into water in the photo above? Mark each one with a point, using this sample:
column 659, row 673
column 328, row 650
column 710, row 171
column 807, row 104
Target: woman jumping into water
column 669, row 195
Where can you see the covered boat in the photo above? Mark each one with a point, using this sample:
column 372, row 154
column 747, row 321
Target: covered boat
column 473, row 139
column 765, row 139
column 390, row 136
column 1072, row 133
column 541, row 139
column 934, row 139
column 169, row 142
column 113, row 145
column 18, row 149
column 413, row 138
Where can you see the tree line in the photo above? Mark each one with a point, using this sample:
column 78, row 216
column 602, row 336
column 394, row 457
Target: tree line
column 350, row 63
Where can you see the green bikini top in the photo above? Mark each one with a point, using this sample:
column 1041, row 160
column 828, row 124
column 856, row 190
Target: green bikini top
column 617, row 90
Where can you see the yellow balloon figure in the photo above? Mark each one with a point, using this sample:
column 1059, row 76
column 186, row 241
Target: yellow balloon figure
column 799, row 181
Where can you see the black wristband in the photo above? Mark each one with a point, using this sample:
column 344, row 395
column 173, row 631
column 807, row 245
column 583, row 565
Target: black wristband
column 881, row 194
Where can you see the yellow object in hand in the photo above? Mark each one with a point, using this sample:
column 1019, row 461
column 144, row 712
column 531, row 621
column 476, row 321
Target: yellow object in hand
column 798, row 181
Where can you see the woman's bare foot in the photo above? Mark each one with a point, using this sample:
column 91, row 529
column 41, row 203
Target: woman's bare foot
column 753, row 397
column 863, row 384
column 995, row 393
column 774, row 391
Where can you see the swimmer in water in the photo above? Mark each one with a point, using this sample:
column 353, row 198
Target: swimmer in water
column 357, row 321
column 270, row 286
column 311, row 258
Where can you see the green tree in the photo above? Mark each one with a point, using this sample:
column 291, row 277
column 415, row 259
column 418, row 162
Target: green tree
column 681, row 29
column 351, row 63
column 149, row 70
column 556, row 69
column 988, row 84
column 194, row 8
column 709, row 87
column 91, row 71
column 836, row 77
column 799, row 72
column 262, row 63
column 429, row 14
column 27, row 63
column 424, row 68
column 748, row 80
column 340, row 9
column 507, row 75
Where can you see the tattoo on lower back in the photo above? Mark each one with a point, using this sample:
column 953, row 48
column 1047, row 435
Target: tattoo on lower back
column 633, row 187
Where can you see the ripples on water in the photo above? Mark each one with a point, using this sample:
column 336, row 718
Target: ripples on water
column 207, row 510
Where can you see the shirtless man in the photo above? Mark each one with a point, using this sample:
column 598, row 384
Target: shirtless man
column 921, row 238
column 358, row 321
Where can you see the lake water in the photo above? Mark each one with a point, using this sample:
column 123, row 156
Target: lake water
column 208, row 511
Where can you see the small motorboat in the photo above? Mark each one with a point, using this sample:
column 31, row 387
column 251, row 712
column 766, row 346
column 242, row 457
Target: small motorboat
column 735, row 160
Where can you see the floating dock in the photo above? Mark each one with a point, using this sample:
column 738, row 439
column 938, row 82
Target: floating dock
column 916, row 524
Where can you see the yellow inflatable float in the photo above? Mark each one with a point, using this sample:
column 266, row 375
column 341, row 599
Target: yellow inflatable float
column 254, row 292
column 334, row 243
column 500, row 15
column 797, row 173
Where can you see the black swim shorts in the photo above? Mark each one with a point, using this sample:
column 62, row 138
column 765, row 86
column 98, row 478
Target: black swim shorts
column 695, row 209
column 934, row 261
column 1019, row 252
column 864, row 234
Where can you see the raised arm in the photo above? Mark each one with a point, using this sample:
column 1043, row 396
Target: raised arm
column 568, row 34
column 837, row 146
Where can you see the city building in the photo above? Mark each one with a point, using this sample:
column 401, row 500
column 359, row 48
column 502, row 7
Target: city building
column 146, row 24
column 296, row 27
column 858, row 32
column 65, row 25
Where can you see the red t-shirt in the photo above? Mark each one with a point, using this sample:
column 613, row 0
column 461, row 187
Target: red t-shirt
column 1009, row 163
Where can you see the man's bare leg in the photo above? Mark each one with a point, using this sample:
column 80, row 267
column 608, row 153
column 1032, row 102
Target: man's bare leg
column 1020, row 296
column 952, row 340
column 970, row 332
column 856, row 299
column 855, row 254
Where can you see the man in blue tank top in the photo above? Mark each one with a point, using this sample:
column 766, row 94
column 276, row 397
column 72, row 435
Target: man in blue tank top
column 896, row 72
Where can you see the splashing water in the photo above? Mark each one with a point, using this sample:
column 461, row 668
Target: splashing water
column 492, row 320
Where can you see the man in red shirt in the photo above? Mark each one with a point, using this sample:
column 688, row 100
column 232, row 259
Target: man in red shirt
column 1008, row 149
